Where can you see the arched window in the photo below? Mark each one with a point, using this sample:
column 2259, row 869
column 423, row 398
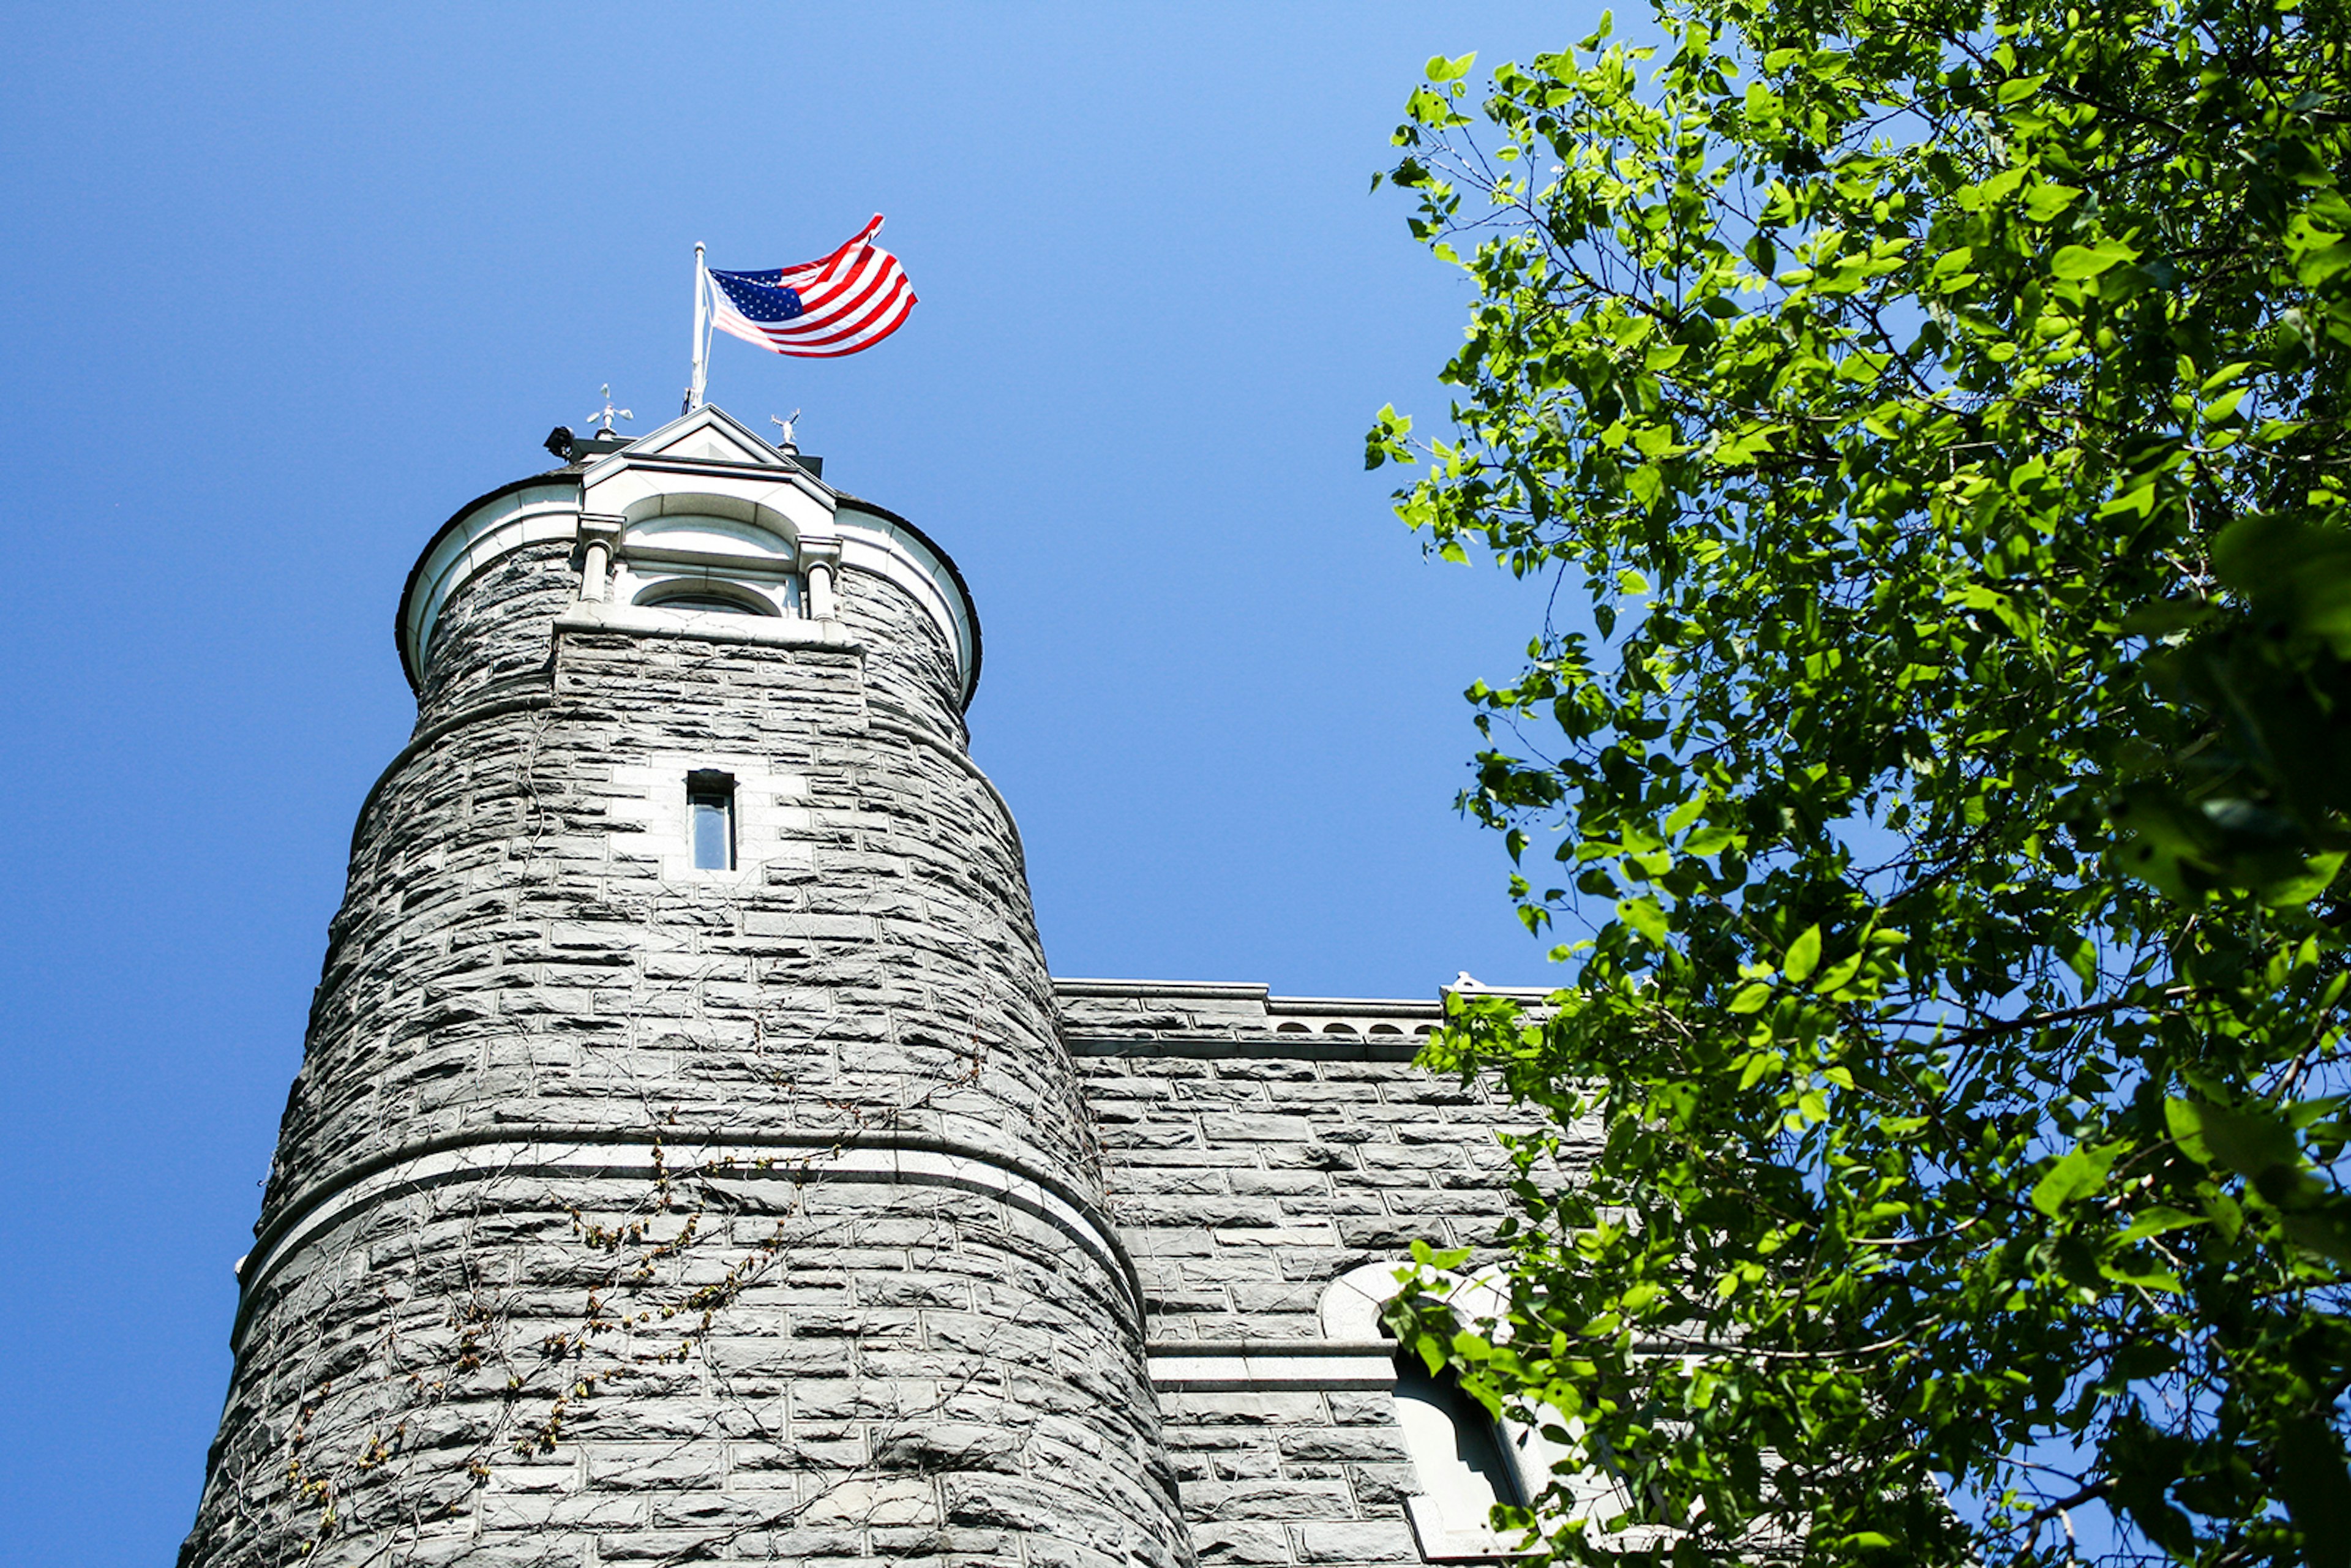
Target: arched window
column 709, row 601
column 707, row 596
column 1463, row 1460
column 1456, row 1451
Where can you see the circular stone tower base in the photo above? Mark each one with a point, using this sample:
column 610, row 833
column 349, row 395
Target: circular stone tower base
column 685, row 1166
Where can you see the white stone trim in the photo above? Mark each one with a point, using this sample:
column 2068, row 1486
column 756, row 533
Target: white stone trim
column 708, row 433
column 875, row 544
column 1150, row 991
column 1441, row 1541
column 705, row 626
column 772, row 819
column 556, row 1158
column 532, row 516
column 1351, row 1304
column 762, row 521
column 1211, row 1366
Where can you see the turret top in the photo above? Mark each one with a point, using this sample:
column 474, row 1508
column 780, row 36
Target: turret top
column 703, row 515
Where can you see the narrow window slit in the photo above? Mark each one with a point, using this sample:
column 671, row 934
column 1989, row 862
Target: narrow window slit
column 710, row 806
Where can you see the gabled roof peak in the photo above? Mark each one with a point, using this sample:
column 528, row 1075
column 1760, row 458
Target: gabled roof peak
column 709, row 435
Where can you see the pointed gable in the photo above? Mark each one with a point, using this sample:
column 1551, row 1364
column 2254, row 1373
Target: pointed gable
column 709, row 435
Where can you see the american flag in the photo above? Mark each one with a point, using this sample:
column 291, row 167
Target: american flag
column 820, row 309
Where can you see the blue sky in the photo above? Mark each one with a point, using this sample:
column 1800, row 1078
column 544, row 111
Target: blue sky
column 287, row 285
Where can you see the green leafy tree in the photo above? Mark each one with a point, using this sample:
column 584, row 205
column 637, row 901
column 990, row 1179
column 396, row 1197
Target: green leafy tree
column 1937, row 409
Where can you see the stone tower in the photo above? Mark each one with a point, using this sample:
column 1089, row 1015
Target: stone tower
column 686, row 1163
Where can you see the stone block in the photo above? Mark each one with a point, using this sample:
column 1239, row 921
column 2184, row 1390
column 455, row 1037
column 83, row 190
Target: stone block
column 544, row 1514
column 668, row 1465
column 1243, row 1127
column 726, row 1511
column 1353, row 1446
column 1241, row 1545
column 934, row 1447
column 664, row 1547
column 1280, row 1499
column 1364, row 1540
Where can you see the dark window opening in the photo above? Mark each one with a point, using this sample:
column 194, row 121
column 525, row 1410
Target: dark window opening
column 707, row 596
column 709, row 603
column 710, row 805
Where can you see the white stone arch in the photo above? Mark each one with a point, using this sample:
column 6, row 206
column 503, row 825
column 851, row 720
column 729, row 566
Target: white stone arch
column 1448, row 1517
column 735, row 524
column 711, row 545
column 688, row 592
column 528, row 513
column 1351, row 1304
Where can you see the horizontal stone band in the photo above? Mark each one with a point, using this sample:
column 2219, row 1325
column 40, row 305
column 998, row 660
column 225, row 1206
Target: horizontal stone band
column 637, row 621
column 802, row 1159
column 1239, row 1365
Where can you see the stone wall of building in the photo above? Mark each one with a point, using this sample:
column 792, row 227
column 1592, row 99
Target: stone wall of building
column 627, row 1212
column 1256, row 1149
column 630, row 1211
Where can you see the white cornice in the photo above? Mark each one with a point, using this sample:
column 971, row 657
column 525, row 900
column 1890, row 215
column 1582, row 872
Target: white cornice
column 706, row 464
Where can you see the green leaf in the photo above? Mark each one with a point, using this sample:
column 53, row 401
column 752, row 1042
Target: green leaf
column 2078, row 1174
column 2042, row 203
column 1838, row 979
column 1644, row 915
column 2250, row 1144
column 1803, row 953
column 2324, row 1232
column 2145, row 1278
column 2314, row 1481
column 1711, row 840
column 2165, row 617
column 2156, row 1222
column 2081, row 261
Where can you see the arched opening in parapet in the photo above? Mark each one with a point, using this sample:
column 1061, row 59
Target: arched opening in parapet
column 710, row 595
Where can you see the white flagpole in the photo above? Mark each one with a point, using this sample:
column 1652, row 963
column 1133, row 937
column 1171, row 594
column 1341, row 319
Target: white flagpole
column 701, row 337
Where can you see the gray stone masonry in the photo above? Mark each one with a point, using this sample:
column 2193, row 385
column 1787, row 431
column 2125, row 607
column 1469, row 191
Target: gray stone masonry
column 630, row 1212
column 1255, row 1148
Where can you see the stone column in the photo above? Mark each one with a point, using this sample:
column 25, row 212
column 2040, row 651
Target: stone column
column 599, row 536
column 821, row 561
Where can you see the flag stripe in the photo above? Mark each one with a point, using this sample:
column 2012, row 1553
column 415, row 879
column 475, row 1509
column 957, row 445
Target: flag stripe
column 866, row 340
column 846, row 301
column 891, row 306
column 861, row 306
column 826, row 305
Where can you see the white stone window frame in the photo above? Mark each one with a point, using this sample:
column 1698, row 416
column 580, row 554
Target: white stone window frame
column 772, row 817
column 1350, row 1310
column 722, row 546
column 780, row 599
column 698, row 459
